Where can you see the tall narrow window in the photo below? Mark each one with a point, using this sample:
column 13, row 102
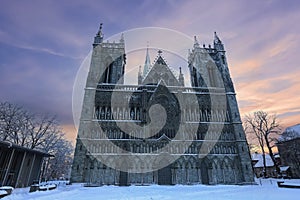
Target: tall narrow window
column 223, row 59
column 110, row 73
column 195, row 77
column 97, row 112
column 107, row 75
column 212, row 78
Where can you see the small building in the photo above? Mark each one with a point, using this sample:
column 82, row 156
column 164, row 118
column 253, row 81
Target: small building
column 19, row 166
column 289, row 149
column 258, row 165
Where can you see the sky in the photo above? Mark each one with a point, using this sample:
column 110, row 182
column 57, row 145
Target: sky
column 43, row 43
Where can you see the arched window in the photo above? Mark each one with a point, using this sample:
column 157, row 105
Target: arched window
column 194, row 75
column 108, row 113
column 223, row 59
column 102, row 113
column 107, row 75
column 212, row 78
column 97, row 112
column 132, row 114
column 138, row 117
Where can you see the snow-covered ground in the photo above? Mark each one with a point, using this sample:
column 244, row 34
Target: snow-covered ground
column 266, row 189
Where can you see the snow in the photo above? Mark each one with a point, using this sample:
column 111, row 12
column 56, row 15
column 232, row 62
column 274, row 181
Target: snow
column 47, row 187
column 265, row 189
column 293, row 184
column 295, row 128
column 6, row 188
column 2, row 192
column 284, row 168
column 259, row 158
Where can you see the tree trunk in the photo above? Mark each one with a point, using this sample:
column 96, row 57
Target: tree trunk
column 264, row 164
column 272, row 156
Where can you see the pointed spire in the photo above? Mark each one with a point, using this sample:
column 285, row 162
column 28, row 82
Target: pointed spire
column 181, row 77
column 140, row 77
column 216, row 38
column 147, row 64
column 218, row 45
column 196, row 43
column 99, row 36
column 122, row 38
column 100, row 30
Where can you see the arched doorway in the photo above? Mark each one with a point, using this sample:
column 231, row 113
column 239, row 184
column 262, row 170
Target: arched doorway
column 204, row 172
column 123, row 178
column 165, row 176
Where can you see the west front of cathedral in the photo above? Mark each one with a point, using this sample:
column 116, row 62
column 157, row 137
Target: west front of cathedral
column 160, row 131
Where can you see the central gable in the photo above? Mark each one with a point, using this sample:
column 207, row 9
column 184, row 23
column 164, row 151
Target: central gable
column 160, row 71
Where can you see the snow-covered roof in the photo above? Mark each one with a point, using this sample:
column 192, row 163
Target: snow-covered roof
column 284, row 168
column 294, row 128
column 290, row 133
column 259, row 158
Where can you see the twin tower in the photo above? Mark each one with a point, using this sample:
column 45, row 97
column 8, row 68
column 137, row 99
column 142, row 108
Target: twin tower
column 159, row 131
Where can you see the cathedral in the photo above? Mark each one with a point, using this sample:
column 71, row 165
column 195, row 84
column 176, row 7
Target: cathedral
column 160, row 131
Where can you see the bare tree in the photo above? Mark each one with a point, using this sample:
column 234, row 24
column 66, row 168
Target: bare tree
column 60, row 165
column 14, row 123
column 265, row 128
column 40, row 132
column 43, row 131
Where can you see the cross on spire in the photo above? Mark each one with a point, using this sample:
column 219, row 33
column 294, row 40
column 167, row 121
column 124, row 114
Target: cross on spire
column 159, row 52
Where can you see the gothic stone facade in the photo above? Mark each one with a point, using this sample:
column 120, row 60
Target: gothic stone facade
column 217, row 153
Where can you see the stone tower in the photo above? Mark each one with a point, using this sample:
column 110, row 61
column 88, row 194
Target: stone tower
column 107, row 67
column 201, row 141
column 208, row 68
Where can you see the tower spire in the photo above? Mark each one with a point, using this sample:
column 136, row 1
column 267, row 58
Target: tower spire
column 181, row 77
column 216, row 38
column 218, row 45
column 99, row 36
column 196, row 43
column 140, row 76
column 147, row 64
column 122, row 38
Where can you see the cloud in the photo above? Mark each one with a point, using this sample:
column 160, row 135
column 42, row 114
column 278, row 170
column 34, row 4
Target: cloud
column 274, row 95
column 70, row 132
column 42, row 44
column 288, row 114
column 37, row 83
